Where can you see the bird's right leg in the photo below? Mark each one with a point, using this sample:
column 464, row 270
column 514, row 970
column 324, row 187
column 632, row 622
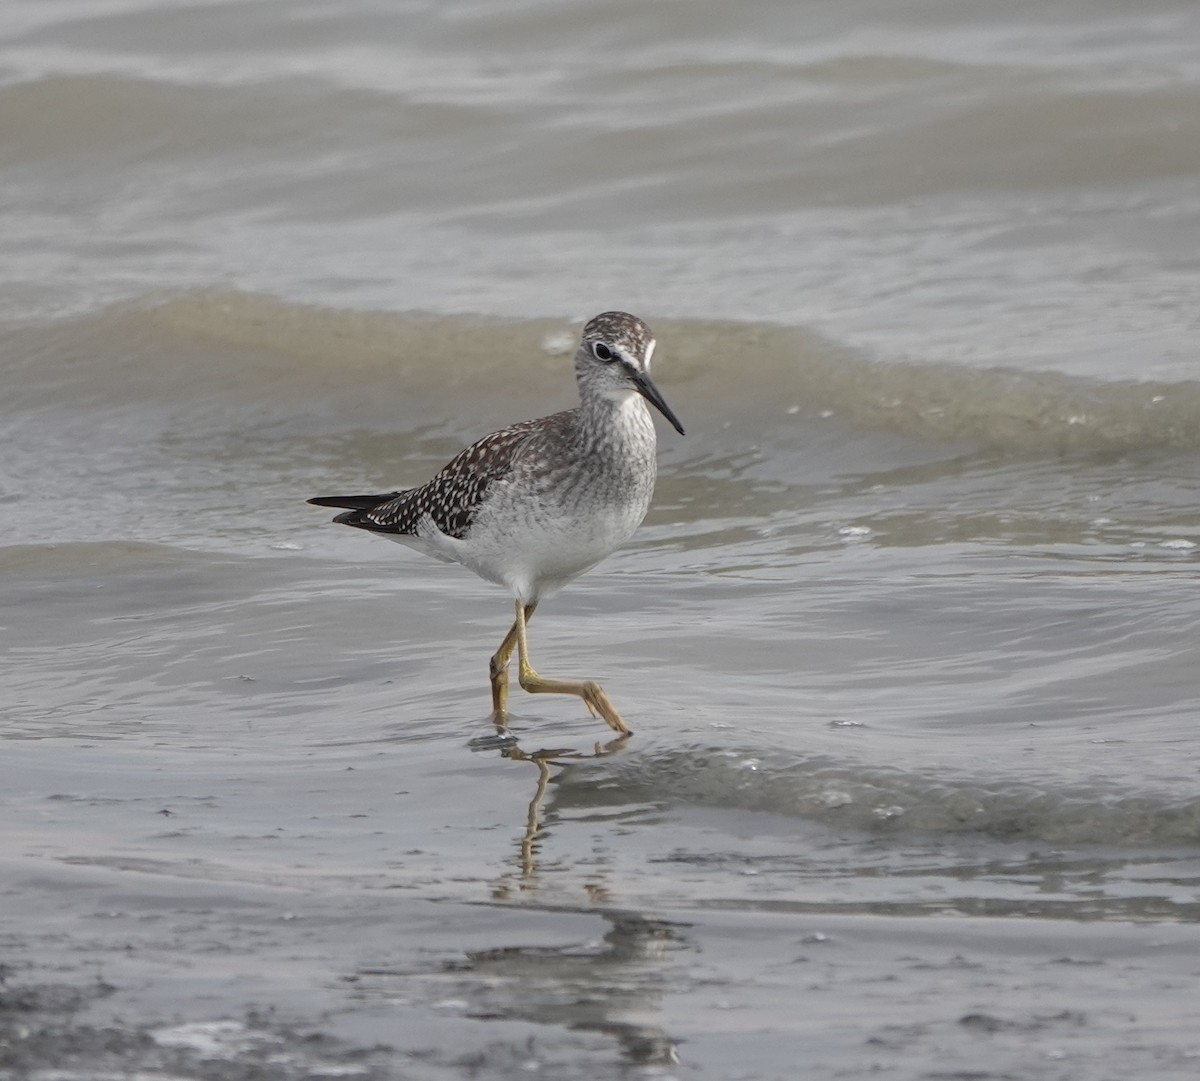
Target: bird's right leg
column 590, row 691
column 498, row 670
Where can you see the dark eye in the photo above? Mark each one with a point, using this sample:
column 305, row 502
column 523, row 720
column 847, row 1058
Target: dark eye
column 602, row 352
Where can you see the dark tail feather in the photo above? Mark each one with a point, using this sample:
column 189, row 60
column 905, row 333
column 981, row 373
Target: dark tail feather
column 353, row 502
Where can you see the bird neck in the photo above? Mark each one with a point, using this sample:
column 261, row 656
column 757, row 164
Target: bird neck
column 616, row 423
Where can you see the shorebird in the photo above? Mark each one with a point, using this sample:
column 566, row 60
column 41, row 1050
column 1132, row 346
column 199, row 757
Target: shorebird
column 533, row 506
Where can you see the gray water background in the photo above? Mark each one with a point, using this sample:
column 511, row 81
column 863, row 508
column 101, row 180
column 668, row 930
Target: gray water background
column 908, row 639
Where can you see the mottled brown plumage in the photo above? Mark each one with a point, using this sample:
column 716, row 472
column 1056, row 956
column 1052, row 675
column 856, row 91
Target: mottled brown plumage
column 451, row 498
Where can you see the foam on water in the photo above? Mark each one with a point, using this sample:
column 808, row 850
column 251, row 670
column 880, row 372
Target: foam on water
column 842, row 793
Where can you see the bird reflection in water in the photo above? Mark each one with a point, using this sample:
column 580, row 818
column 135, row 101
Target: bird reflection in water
column 594, row 987
column 586, row 987
column 544, row 760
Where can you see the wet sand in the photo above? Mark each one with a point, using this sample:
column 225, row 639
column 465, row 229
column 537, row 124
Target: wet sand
column 115, row 969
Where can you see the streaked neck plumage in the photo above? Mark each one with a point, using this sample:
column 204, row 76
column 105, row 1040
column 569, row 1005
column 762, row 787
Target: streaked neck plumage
column 614, row 419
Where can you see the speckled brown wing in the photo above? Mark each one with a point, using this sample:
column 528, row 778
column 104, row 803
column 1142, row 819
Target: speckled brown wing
column 452, row 497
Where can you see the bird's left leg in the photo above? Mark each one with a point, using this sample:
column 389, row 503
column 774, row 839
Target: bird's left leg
column 498, row 667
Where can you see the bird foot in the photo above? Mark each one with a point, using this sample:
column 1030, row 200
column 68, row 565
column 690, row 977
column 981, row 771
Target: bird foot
column 598, row 703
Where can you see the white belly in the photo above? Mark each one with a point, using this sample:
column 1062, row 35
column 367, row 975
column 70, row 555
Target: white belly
column 540, row 557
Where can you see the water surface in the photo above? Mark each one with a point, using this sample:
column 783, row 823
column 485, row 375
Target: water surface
column 907, row 639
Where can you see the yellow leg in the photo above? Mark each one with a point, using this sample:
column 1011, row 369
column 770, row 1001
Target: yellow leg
column 498, row 668
column 593, row 696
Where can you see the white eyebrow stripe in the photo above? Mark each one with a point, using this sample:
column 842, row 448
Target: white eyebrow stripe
column 649, row 351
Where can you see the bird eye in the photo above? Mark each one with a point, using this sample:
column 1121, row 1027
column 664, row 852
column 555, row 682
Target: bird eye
column 602, row 352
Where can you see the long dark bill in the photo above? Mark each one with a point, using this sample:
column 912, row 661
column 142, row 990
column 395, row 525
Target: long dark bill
column 647, row 389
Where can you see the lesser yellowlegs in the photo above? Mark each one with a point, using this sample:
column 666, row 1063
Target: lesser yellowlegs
column 533, row 506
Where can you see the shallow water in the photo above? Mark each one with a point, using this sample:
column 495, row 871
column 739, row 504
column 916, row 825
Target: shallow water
column 907, row 639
